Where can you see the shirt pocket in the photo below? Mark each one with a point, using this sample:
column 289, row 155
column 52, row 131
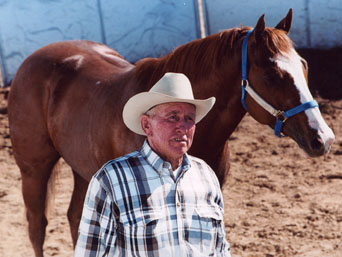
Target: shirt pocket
column 210, row 216
column 208, row 225
column 141, row 224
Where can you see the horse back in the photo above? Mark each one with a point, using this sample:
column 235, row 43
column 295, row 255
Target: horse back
column 68, row 93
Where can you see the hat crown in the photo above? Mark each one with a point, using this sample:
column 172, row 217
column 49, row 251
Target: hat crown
column 174, row 85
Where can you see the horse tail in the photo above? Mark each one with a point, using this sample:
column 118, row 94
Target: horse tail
column 51, row 190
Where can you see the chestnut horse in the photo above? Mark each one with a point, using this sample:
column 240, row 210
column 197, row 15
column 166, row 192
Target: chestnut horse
column 66, row 101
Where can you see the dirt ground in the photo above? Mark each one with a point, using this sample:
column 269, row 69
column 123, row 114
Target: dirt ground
column 277, row 203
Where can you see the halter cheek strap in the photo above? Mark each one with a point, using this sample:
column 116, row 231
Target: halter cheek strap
column 281, row 116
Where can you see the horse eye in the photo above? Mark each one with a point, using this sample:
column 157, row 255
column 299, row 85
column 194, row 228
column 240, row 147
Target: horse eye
column 272, row 76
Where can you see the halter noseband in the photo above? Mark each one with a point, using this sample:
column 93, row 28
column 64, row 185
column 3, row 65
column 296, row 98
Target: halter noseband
column 281, row 116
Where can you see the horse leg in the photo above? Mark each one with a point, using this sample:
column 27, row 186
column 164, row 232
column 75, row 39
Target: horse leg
column 34, row 189
column 76, row 205
column 224, row 165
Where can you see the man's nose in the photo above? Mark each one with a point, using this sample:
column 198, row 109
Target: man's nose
column 182, row 126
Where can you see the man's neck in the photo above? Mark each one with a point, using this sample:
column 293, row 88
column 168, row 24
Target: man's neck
column 176, row 163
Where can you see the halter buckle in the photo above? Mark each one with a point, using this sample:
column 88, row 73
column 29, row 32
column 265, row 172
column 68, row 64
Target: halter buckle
column 281, row 116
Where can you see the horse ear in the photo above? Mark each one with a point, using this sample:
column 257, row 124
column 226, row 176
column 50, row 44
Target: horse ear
column 259, row 27
column 285, row 24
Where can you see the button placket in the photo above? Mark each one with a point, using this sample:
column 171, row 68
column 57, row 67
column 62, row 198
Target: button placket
column 180, row 224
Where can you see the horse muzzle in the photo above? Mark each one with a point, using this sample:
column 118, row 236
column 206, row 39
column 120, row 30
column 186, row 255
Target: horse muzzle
column 319, row 144
column 318, row 147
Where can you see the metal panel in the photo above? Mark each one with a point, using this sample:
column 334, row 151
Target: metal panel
column 28, row 25
column 134, row 28
column 138, row 29
column 325, row 27
column 223, row 14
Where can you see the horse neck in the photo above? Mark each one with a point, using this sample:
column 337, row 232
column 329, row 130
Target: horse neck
column 213, row 65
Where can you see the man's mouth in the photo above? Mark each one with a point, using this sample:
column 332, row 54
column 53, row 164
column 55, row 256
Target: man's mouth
column 179, row 140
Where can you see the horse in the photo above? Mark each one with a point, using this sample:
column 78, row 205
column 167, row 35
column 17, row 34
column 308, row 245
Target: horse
column 66, row 101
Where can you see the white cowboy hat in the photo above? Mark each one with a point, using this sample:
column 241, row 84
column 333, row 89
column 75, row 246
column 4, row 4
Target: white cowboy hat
column 172, row 87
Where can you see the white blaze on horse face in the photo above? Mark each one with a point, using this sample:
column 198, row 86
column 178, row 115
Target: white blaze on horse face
column 291, row 63
column 77, row 59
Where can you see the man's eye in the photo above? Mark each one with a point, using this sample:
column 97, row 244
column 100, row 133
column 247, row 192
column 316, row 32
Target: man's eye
column 189, row 118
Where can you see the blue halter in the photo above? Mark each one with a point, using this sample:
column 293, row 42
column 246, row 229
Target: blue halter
column 281, row 116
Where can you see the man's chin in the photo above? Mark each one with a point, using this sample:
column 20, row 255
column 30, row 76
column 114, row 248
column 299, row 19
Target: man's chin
column 180, row 151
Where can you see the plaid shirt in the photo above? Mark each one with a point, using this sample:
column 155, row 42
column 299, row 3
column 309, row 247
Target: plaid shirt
column 136, row 207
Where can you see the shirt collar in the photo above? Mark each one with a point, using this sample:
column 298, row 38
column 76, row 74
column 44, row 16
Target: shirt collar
column 158, row 163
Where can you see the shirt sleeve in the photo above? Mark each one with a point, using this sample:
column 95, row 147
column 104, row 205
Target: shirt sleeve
column 223, row 247
column 97, row 230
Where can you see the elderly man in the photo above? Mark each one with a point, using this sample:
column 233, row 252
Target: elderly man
column 156, row 201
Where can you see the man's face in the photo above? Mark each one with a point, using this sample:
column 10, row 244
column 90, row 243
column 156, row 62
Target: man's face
column 170, row 129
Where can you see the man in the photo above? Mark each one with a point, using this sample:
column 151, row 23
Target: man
column 156, row 201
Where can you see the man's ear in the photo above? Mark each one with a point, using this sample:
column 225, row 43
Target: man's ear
column 145, row 124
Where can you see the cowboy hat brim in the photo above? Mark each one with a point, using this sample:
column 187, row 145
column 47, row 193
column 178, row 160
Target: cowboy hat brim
column 142, row 102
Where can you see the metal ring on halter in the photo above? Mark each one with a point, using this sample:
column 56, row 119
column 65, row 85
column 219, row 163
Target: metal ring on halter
column 281, row 116
column 244, row 82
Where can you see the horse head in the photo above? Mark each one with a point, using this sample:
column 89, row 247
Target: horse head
column 276, row 92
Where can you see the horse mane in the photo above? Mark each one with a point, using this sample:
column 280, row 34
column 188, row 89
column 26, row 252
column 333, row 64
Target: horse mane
column 196, row 57
column 202, row 56
column 276, row 41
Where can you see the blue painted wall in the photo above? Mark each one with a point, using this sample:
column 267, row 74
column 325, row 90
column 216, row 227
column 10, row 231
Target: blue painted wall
column 26, row 26
column 142, row 28
column 134, row 28
column 316, row 23
column 153, row 29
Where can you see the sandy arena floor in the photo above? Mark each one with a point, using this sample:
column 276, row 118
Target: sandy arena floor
column 277, row 203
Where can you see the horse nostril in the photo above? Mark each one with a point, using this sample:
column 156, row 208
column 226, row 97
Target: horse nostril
column 316, row 144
